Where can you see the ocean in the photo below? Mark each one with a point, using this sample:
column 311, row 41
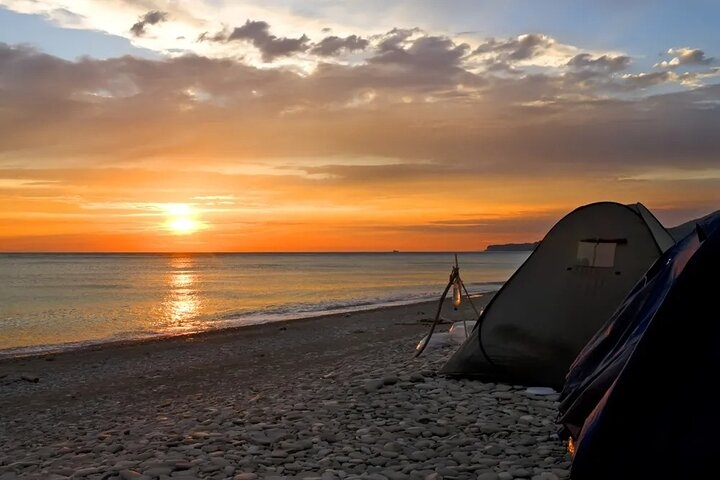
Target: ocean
column 52, row 302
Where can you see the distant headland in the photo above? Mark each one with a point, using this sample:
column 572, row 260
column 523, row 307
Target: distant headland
column 512, row 247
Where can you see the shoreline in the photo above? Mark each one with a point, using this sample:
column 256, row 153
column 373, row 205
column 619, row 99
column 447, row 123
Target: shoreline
column 330, row 398
column 237, row 332
column 62, row 348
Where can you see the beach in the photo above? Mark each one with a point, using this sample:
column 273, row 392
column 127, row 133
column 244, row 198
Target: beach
column 338, row 396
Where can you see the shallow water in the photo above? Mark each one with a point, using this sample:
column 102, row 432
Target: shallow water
column 66, row 300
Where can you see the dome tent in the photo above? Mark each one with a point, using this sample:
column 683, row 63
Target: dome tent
column 642, row 389
column 538, row 322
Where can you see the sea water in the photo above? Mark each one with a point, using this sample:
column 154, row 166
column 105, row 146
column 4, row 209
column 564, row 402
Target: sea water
column 60, row 301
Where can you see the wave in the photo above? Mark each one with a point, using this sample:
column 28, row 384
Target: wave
column 307, row 310
column 296, row 311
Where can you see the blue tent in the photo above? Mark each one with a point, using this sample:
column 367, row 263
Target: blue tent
column 641, row 401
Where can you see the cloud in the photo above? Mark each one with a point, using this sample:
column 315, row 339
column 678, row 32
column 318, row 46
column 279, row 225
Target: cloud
column 437, row 58
column 270, row 46
column 645, row 80
column 395, row 38
column 687, row 79
column 606, row 63
column 685, row 56
column 523, row 47
column 514, row 54
column 66, row 17
column 333, row 45
column 150, row 18
column 414, row 101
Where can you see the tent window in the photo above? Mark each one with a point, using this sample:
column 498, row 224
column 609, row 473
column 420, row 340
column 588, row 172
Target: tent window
column 596, row 254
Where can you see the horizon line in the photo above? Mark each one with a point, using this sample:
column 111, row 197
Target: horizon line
column 18, row 252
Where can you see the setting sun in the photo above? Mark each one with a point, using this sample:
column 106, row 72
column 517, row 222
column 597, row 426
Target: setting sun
column 182, row 225
column 181, row 219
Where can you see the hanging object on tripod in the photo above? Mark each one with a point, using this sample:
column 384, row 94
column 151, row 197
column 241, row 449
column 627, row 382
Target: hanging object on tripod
column 457, row 292
column 456, row 283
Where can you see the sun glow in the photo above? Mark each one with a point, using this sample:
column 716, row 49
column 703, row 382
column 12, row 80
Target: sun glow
column 182, row 225
column 178, row 209
column 181, row 221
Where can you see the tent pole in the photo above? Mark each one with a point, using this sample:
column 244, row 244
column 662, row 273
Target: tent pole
column 453, row 276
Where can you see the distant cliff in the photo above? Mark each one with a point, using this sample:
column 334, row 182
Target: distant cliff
column 512, row 247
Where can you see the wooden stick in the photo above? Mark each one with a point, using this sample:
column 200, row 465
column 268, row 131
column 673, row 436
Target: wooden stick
column 453, row 276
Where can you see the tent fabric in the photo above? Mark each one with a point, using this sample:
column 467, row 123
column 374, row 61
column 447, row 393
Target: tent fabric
column 538, row 322
column 640, row 400
column 663, row 238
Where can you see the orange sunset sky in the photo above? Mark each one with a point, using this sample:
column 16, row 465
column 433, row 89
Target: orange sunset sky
column 278, row 126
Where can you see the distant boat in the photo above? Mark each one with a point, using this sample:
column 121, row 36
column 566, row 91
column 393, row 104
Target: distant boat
column 396, row 251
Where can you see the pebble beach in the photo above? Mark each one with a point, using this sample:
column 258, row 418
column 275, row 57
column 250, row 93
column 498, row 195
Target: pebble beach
column 336, row 397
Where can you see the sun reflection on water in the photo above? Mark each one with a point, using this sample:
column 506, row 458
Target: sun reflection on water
column 182, row 303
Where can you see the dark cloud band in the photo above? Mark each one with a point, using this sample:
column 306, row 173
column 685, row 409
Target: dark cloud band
column 150, row 18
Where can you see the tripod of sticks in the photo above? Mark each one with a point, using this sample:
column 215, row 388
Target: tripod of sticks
column 458, row 286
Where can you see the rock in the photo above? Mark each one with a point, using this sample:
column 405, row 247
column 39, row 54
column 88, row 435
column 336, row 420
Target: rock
column 372, row 385
column 131, row 475
column 493, row 450
column 395, row 475
column 488, row 476
column 418, row 456
column 29, row 377
column 545, row 476
column 157, row 471
column 246, row 476
column 561, row 472
column 504, row 395
column 84, row 472
column 519, row 473
column 390, row 380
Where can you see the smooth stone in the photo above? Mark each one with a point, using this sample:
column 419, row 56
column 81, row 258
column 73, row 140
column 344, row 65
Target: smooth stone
column 390, row 380
column 131, row 475
column 487, row 476
column 372, row 385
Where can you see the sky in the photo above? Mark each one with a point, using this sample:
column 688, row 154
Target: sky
column 288, row 125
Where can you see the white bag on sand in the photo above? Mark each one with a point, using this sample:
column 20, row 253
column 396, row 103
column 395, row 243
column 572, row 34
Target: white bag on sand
column 460, row 331
column 438, row 340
